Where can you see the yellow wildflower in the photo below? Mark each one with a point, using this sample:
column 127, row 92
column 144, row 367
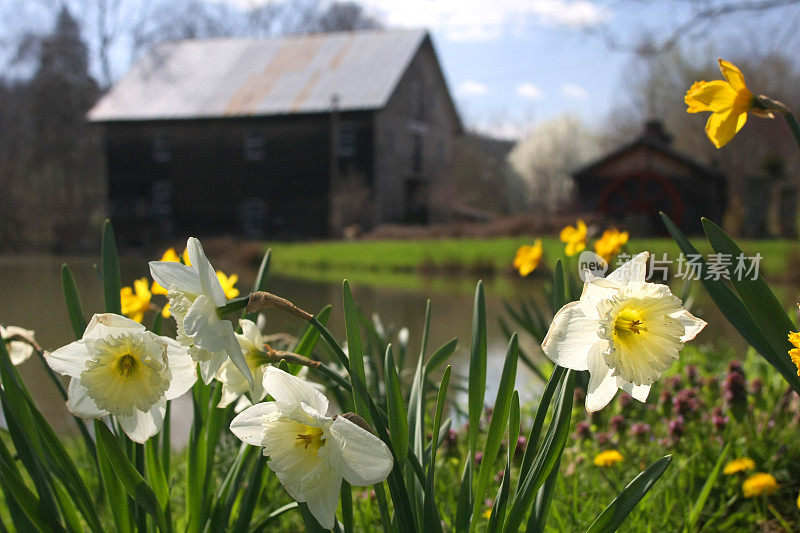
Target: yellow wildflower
column 794, row 353
column 528, row 257
column 610, row 243
column 171, row 257
column 608, row 458
column 760, row 484
column 574, row 237
column 228, row 284
column 729, row 102
column 798, row 501
column 739, row 464
column 487, row 514
column 135, row 303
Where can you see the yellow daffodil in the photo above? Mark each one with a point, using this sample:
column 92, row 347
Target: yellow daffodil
column 623, row 330
column 194, row 294
column 228, row 284
column 574, row 237
column 728, row 100
column 170, row 257
column 760, row 484
column 794, row 353
column 740, row 464
column 309, row 451
column 608, row 458
column 528, row 257
column 135, row 302
column 120, row 368
column 610, row 243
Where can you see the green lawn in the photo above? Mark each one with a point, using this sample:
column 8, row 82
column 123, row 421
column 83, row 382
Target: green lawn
column 486, row 257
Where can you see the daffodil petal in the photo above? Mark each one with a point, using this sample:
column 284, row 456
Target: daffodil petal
column 208, row 277
column 359, row 456
column 247, row 425
column 105, row 324
column 639, row 392
column 715, row 96
column 182, row 367
column 570, row 338
column 18, row 351
column 251, row 332
column 79, row 402
column 291, row 390
column 169, row 274
column 602, row 384
column 210, row 367
column 142, row 425
column 721, row 127
column 204, row 326
column 691, row 324
column 633, row 270
column 69, row 360
column 323, row 498
column 236, row 356
column 732, row 74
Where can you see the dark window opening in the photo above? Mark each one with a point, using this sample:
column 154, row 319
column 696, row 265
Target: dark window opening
column 416, row 163
column 253, row 147
column 161, row 148
column 346, row 140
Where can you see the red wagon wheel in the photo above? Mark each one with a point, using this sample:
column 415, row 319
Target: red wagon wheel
column 644, row 193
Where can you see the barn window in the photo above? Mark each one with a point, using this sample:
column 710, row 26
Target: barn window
column 161, row 148
column 253, row 147
column 416, row 162
column 346, row 142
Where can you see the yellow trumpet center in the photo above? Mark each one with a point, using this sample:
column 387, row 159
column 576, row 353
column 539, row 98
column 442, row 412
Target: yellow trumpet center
column 628, row 322
column 310, row 437
column 126, row 364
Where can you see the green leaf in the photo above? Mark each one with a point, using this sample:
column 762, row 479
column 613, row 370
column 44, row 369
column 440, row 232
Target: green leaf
column 477, row 369
column 110, row 270
column 398, row 418
column 616, row 512
column 14, row 487
column 705, row 492
column 312, row 526
column 346, row 499
column 112, row 487
column 73, row 300
column 559, row 286
column 440, row 356
column 356, row 355
column 432, row 520
column 155, row 474
column 260, row 283
column 497, row 427
column 541, row 506
column 133, row 483
column 253, row 493
column 308, row 340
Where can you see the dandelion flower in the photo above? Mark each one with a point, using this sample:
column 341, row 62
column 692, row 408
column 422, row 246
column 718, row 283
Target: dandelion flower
column 194, row 294
column 228, row 284
column 135, row 301
column 760, row 484
column 728, row 100
column 18, row 351
column 528, row 257
column 608, row 458
column 740, row 464
column 610, row 243
column 623, row 330
column 120, row 368
column 309, row 451
column 574, row 237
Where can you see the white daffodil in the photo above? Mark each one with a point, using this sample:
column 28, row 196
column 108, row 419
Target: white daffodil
column 310, row 452
column 194, row 294
column 120, row 368
column 234, row 384
column 623, row 330
column 18, row 351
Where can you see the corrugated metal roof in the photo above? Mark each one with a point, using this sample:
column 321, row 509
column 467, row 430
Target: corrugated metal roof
column 255, row 77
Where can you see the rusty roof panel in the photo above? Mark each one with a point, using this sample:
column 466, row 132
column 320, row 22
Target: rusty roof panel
column 258, row 77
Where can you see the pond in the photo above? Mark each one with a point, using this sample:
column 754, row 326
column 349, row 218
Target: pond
column 31, row 296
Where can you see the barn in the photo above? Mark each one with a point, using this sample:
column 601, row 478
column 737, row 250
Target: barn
column 293, row 137
column 632, row 184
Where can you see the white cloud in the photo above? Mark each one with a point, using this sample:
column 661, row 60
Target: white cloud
column 570, row 90
column 529, row 90
column 472, row 88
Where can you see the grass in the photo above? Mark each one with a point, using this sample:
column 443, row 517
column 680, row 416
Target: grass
column 390, row 262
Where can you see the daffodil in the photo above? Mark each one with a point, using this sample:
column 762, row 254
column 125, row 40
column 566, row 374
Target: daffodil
column 120, row 368
column 18, row 351
column 136, row 301
column 610, row 243
column 623, row 330
column 740, row 464
column 728, row 100
column 228, row 284
column 574, row 237
column 233, row 381
column 794, row 353
column 759, row 484
column 528, row 257
column 309, row 451
column 194, row 294
column 608, row 458
column 170, row 256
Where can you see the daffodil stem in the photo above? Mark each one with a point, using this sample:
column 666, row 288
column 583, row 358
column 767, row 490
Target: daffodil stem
column 237, row 304
column 794, row 127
